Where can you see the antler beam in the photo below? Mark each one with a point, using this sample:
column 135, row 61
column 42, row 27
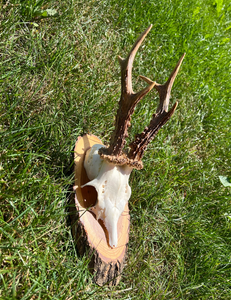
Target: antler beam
column 139, row 145
column 127, row 104
column 128, row 101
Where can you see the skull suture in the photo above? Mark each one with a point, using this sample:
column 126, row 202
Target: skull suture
column 111, row 184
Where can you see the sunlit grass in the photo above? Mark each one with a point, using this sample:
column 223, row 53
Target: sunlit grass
column 60, row 79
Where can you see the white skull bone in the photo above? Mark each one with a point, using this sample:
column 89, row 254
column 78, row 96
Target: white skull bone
column 113, row 190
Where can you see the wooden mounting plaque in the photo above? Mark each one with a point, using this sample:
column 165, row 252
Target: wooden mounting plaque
column 90, row 235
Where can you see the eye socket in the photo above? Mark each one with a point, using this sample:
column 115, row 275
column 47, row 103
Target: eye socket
column 89, row 195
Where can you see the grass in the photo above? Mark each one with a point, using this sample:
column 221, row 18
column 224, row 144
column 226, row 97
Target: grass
column 60, row 79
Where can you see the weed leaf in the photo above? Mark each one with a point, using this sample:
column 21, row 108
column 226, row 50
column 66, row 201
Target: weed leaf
column 46, row 13
column 225, row 180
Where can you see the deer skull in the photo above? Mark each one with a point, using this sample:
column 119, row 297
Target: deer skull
column 108, row 169
column 111, row 184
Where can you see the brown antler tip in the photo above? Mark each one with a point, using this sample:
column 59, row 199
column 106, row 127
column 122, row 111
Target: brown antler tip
column 172, row 110
column 149, row 27
column 179, row 63
column 146, row 79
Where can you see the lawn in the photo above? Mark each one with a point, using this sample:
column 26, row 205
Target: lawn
column 60, row 79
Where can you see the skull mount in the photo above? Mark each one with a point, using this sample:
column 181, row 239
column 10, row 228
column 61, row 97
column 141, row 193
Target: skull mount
column 109, row 168
column 101, row 192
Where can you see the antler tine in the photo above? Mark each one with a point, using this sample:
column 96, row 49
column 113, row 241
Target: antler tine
column 165, row 89
column 127, row 104
column 139, row 145
column 126, row 64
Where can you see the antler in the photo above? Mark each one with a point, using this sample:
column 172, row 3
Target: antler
column 139, row 145
column 128, row 101
column 127, row 104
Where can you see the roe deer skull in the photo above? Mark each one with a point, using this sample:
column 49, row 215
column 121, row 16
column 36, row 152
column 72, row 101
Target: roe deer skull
column 109, row 168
